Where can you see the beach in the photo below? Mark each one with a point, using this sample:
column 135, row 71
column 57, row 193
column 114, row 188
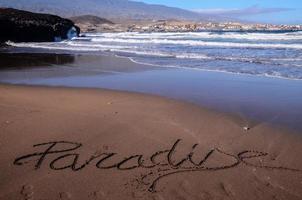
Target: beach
column 149, row 139
column 252, row 99
column 150, row 100
column 81, row 120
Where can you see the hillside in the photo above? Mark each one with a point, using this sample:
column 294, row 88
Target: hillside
column 90, row 19
column 110, row 9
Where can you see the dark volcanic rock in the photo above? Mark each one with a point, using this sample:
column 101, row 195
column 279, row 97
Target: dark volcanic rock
column 23, row 26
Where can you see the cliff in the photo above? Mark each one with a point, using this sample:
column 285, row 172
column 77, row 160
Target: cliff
column 23, row 26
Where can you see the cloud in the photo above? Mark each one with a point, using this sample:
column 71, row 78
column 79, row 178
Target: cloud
column 253, row 10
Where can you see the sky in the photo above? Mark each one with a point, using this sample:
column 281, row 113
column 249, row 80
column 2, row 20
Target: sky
column 269, row 11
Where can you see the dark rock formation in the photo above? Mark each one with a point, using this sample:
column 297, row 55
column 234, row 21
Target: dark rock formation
column 23, row 26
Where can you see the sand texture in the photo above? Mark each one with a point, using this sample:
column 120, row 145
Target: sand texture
column 62, row 143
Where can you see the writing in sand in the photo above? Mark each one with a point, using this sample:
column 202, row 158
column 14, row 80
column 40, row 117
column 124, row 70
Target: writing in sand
column 62, row 155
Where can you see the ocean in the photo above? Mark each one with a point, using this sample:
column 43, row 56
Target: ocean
column 273, row 54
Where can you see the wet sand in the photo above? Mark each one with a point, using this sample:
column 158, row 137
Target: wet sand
column 254, row 100
column 103, row 144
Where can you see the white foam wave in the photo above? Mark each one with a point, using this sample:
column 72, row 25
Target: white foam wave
column 199, row 43
column 99, row 46
column 52, row 46
column 193, row 56
column 146, row 53
column 270, row 75
column 166, row 55
column 203, row 35
column 286, row 59
column 72, row 46
column 69, row 45
column 129, row 48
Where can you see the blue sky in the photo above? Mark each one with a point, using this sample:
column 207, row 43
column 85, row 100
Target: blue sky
column 271, row 11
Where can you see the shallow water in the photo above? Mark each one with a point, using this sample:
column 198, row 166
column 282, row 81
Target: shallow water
column 253, row 99
column 256, row 53
column 263, row 83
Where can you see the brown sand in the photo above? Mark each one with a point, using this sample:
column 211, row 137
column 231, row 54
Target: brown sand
column 261, row 163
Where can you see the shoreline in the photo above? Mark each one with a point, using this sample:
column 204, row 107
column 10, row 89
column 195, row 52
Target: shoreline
column 269, row 99
column 73, row 53
column 214, row 71
column 113, row 55
column 246, row 123
column 132, row 124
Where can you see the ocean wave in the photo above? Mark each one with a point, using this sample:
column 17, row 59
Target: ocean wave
column 99, row 46
column 200, row 43
column 203, row 35
column 71, row 46
column 52, row 46
column 286, row 59
column 190, row 51
column 195, row 56
column 272, row 74
column 165, row 55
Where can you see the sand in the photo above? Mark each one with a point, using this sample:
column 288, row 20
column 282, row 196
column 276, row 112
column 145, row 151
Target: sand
column 70, row 143
column 254, row 99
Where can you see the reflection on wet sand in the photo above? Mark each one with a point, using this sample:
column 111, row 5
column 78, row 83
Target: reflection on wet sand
column 18, row 65
column 253, row 100
column 25, row 60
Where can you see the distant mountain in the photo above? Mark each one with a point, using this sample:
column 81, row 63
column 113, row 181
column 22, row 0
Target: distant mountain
column 91, row 19
column 104, row 8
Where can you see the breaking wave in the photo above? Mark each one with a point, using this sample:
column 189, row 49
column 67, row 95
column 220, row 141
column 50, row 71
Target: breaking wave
column 267, row 54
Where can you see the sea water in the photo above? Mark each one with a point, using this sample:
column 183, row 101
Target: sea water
column 275, row 54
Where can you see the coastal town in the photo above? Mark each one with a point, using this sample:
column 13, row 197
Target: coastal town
column 225, row 26
column 182, row 26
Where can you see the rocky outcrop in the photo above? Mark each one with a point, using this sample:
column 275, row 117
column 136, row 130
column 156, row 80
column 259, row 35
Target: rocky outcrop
column 23, row 26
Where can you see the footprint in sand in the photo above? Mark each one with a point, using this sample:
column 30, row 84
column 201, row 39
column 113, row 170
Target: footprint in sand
column 97, row 195
column 157, row 197
column 275, row 190
column 184, row 191
column 228, row 190
column 65, row 196
column 273, row 156
column 205, row 196
column 27, row 192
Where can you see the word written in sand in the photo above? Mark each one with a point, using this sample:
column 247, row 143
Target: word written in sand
column 64, row 156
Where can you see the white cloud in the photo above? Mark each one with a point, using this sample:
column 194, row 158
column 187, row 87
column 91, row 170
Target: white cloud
column 253, row 10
